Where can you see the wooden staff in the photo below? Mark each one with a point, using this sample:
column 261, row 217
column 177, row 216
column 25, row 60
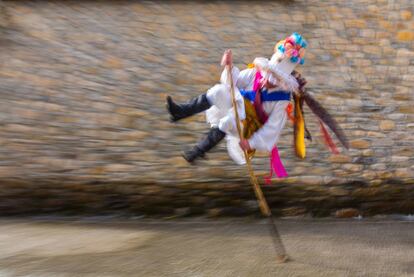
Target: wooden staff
column 264, row 207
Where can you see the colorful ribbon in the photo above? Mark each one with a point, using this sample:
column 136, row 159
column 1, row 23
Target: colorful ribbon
column 328, row 140
column 257, row 78
column 289, row 111
column 299, row 129
column 276, row 167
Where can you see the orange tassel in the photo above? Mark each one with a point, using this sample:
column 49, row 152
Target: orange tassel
column 289, row 111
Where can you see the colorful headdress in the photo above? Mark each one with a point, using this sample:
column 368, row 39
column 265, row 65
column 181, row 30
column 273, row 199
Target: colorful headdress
column 293, row 47
column 288, row 54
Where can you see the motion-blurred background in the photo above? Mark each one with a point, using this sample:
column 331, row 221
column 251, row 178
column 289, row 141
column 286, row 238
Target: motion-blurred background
column 83, row 127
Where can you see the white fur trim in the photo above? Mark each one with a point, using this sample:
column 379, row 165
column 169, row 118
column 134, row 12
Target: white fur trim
column 288, row 81
column 261, row 63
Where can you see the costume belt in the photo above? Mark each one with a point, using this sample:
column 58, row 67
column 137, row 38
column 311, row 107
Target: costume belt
column 267, row 96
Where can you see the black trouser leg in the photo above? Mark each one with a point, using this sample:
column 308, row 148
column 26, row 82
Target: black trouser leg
column 180, row 111
column 213, row 137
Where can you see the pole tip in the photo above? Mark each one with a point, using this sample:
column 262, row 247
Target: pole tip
column 281, row 259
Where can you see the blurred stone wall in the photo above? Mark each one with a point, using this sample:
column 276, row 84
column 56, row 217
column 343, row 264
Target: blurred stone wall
column 83, row 124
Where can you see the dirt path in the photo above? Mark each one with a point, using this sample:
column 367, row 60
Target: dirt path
column 204, row 248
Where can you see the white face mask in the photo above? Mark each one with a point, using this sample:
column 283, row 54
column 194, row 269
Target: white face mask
column 275, row 57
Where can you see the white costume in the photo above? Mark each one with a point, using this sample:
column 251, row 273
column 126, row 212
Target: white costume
column 268, row 85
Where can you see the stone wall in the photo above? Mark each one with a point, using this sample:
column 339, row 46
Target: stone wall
column 83, row 125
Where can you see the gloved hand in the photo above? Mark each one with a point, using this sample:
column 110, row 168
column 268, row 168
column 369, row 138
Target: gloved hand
column 301, row 81
column 244, row 144
column 227, row 59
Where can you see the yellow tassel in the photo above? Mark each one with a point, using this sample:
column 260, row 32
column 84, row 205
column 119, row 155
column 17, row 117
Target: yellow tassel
column 300, row 146
column 250, row 65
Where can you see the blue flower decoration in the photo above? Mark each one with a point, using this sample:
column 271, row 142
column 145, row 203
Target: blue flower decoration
column 299, row 40
column 303, row 44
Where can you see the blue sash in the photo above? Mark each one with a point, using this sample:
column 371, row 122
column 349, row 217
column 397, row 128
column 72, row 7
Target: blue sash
column 267, row 96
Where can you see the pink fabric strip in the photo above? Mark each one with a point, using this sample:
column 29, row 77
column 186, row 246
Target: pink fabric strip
column 261, row 114
column 257, row 78
column 276, row 166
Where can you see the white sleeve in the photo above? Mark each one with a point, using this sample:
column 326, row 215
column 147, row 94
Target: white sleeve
column 224, row 76
column 266, row 137
column 245, row 78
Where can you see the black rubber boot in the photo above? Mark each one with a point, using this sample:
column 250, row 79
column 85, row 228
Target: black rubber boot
column 180, row 111
column 214, row 136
